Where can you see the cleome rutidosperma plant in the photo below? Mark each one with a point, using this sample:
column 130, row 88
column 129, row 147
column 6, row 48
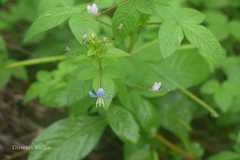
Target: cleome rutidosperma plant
column 126, row 58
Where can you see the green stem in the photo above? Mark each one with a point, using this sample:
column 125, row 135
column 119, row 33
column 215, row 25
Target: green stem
column 199, row 101
column 36, row 61
column 100, row 71
column 196, row 99
column 175, row 148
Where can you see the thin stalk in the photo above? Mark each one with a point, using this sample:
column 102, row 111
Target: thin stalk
column 36, row 61
column 174, row 148
column 199, row 101
column 196, row 99
column 100, row 71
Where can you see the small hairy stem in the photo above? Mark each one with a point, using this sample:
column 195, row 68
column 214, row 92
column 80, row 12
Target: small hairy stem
column 173, row 147
column 36, row 61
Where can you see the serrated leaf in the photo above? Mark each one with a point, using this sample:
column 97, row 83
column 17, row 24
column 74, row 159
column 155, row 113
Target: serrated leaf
column 170, row 37
column 186, row 67
column 81, row 26
column 46, row 5
column 49, row 20
column 180, row 15
column 71, row 138
column 123, row 124
column 145, row 6
column 206, row 43
column 123, row 26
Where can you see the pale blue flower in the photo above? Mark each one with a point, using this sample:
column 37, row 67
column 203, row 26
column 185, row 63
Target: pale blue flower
column 99, row 95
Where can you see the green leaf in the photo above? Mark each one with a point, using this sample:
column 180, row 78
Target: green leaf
column 180, row 15
column 227, row 155
column 123, row 124
column 186, row 67
column 71, row 138
column 224, row 98
column 206, row 43
column 104, row 3
column 113, row 52
column 174, row 118
column 81, row 26
column 20, row 73
column 235, row 29
column 210, row 87
column 226, row 94
column 46, row 5
column 49, row 20
column 63, row 87
column 123, row 26
column 145, row 6
column 139, row 151
column 189, row 16
column 218, row 24
column 142, row 110
column 170, row 37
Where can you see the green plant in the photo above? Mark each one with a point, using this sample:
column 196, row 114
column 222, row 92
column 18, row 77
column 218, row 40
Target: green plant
column 122, row 69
